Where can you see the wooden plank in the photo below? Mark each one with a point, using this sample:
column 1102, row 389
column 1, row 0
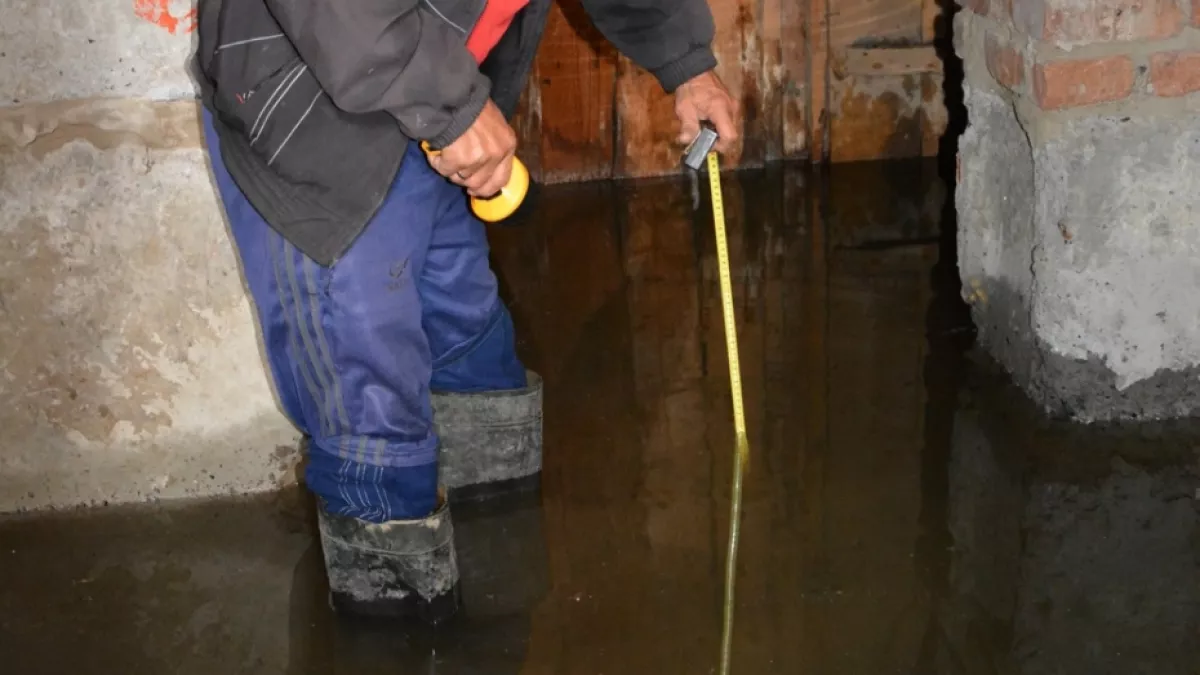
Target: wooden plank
column 818, row 80
column 773, row 76
column 746, row 69
column 647, row 131
column 528, row 124
column 575, row 74
column 589, row 113
column 866, row 23
column 794, row 86
column 646, row 126
column 931, row 12
column 881, row 81
column 887, row 61
column 750, row 48
column 877, row 118
column 888, row 102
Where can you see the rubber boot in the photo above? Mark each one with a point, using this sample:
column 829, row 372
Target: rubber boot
column 397, row 569
column 503, row 562
column 491, row 442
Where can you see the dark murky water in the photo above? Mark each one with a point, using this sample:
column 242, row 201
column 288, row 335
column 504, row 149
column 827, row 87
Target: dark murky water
column 906, row 511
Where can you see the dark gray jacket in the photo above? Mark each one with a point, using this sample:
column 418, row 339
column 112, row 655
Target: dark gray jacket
column 315, row 101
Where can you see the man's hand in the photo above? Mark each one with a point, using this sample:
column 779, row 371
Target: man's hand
column 481, row 159
column 705, row 97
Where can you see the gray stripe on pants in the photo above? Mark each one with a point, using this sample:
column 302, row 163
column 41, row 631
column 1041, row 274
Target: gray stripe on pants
column 304, row 373
column 309, row 349
column 323, row 345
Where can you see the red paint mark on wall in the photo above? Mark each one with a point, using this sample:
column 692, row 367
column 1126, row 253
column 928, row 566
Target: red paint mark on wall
column 158, row 12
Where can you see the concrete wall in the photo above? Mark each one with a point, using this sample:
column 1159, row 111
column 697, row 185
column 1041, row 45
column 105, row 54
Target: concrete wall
column 129, row 364
column 1078, row 199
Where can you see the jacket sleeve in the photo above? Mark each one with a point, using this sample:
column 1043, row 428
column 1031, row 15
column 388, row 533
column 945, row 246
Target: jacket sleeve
column 391, row 55
column 670, row 38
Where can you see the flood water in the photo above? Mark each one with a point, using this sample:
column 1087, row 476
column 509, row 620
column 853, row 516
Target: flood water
column 906, row 510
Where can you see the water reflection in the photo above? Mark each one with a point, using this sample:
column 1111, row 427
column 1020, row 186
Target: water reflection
column 1075, row 550
column 906, row 510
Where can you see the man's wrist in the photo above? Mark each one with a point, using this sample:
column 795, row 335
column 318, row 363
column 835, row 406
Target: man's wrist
column 690, row 65
column 465, row 115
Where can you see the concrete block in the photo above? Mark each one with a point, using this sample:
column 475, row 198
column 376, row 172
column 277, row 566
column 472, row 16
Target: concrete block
column 72, row 49
column 995, row 204
column 1078, row 254
column 1117, row 266
column 1077, row 248
column 129, row 364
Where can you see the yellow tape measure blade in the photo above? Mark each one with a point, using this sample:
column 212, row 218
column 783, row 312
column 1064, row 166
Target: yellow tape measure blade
column 726, row 280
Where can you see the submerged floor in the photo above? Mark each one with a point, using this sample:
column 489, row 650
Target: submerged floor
column 906, row 511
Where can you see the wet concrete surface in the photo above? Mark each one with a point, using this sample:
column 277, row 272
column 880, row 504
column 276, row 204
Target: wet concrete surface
column 907, row 511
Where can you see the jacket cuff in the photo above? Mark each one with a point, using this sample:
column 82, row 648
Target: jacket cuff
column 465, row 116
column 695, row 62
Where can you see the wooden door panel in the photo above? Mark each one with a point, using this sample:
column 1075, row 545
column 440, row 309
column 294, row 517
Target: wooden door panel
column 841, row 80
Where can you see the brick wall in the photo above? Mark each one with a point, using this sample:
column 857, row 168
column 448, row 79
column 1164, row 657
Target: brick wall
column 1066, row 54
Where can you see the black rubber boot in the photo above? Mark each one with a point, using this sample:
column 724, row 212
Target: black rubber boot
column 491, row 442
column 397, row 569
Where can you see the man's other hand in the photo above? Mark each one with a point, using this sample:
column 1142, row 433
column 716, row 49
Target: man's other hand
column 481, row 159
column 705, row 97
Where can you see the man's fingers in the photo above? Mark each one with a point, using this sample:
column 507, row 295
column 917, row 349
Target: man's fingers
column 445, row 166
column 721, row 115
column 438, row 163
column 689, row 125
column 456, row 172
column 480, row 178
column 474, row 160
column 498, row 179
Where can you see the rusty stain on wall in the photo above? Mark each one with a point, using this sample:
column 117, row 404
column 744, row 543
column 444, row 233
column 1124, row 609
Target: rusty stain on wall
column 877, row 117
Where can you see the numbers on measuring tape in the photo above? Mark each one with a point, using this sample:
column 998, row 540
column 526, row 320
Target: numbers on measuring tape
column 726, row 281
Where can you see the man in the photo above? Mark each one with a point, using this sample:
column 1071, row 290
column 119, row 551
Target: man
column 386, row 339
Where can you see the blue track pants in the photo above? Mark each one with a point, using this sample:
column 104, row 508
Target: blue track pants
column 354, row 349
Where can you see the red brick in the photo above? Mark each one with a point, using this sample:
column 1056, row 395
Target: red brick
column 1175, row 73
column 1068, row 84
column 1196, row 12
column 1005, row 63
column 1089, row 21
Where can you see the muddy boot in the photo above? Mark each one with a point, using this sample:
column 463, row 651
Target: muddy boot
column 397, row 569
column 491, row 441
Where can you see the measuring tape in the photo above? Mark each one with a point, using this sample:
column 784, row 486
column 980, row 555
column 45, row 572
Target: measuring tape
column 741, row 456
